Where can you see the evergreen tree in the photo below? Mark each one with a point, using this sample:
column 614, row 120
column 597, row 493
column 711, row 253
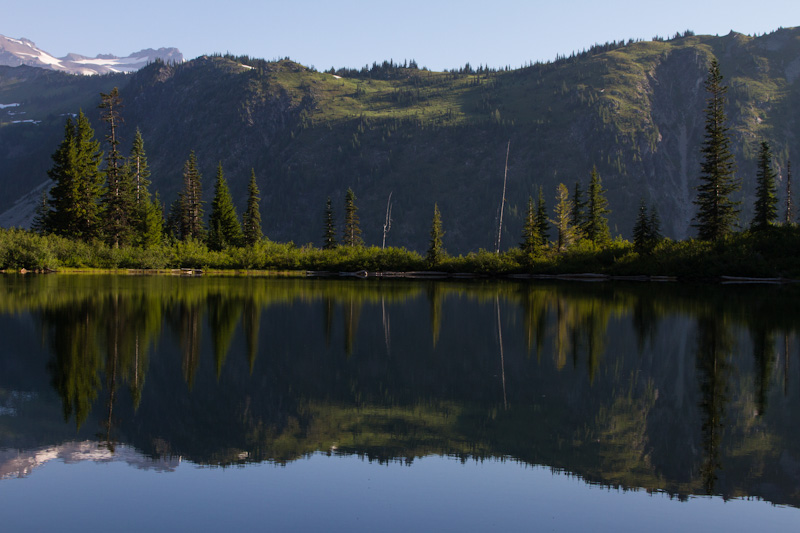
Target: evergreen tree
column 64, row 192
column 647, row 230
column 224, row 229
column 139, row 168
column 352, row 231
column 39, row 224
column 118, row 199
column 531, row 240
column 75, row 196
column 120, row 212
column 172, row 224
column 563, row 220
column 191, row 201
column 766, row 206
column 436, row 250
column 542, row 222
column 641, row 230
column 329, row 237
column 90, row 188
column 716, row 211
column 111, row 104
column 251, row 220
column 789, row 201
column 578, row 210
column 595, row 223
column 655, row 227
column 148, row 215
column 151, row 223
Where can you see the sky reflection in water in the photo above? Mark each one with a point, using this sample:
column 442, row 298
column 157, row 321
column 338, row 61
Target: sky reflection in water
column 330, row 493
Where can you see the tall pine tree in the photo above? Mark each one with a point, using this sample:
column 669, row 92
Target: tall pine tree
column 223, row 225
column 119, row 208
column 352, row 231
column 647, row 230
column 641, row 230
column 75, row 196
column 90, row 186
column 173, row 226
column 531, row 239
column 789, row 200
column 436, row 250
column 329, row 236
column 595, row 222
column 655, row 227
column 563, row 218
column 766, row 206
column 716, row 211
column 542, row 222
column 251, row 220
column 151, row 223
column 191, row 201
column 139, row 168
column 148, row 212
column 578, row 210
column 63, row 193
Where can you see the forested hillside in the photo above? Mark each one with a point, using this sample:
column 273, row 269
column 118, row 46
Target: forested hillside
column 635, row 110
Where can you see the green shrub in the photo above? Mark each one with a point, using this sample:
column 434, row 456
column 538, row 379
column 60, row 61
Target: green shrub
column 22, row 249
column 772, row 252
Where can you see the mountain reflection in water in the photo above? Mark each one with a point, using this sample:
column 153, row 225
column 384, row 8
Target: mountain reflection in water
column 675, row 388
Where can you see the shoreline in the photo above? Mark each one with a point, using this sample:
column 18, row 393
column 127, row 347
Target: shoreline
column 423, row 275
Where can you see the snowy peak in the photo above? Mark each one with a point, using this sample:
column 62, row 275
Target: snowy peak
column 16, row 52
column 20, row 463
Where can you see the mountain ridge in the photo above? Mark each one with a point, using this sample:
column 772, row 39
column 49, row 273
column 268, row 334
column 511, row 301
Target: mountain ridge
column 635, row 110
column 16, row 52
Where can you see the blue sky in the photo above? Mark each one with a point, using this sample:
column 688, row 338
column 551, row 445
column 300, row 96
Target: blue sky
column 353, row 33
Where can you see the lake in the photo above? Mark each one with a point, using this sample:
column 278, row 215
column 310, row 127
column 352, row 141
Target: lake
column 239, row 403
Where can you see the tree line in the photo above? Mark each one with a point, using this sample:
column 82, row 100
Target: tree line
column 114, row 204
column 717, row 212
column 577, row 217
column 107, row 198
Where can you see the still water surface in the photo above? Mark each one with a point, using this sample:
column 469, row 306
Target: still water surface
column 284, row 404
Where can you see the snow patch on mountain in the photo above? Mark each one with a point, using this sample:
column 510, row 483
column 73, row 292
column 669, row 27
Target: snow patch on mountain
column 17, row 52
column 20, row 463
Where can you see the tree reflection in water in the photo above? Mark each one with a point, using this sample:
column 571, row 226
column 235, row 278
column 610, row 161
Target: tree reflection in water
column 628, row 412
